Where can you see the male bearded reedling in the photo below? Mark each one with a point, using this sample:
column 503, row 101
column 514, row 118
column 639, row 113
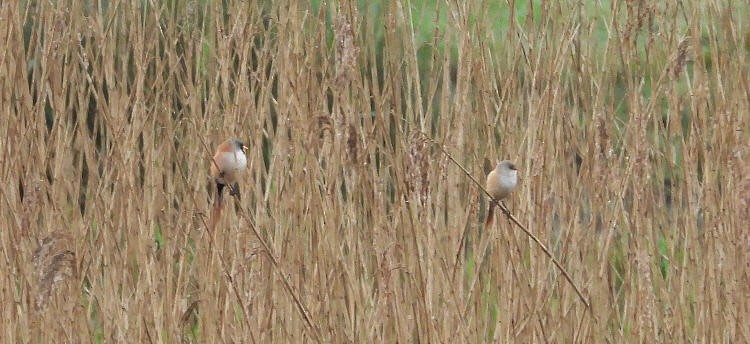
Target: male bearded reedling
column 228, row 162
column 500, row 182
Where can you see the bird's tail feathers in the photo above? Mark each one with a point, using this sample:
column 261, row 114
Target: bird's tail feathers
column 218, row 205
column 490, row 216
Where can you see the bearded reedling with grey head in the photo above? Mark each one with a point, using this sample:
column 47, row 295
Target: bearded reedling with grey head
column 500, row 182
column 228, row 162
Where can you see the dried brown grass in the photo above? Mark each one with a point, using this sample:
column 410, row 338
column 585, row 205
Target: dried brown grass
column 628, row 121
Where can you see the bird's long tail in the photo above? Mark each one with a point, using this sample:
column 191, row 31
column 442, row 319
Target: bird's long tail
column 490, row 215
column 218, row 206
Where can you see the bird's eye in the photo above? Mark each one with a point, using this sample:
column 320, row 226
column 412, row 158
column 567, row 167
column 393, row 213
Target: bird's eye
column 512, row 167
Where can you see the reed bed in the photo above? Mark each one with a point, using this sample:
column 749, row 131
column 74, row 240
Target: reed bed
column 358, row 219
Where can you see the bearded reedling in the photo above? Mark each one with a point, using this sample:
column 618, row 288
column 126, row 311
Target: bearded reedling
column 500, row 182
column 228, row 162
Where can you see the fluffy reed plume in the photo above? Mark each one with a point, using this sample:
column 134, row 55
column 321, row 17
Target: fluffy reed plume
column 681, row 57
column 419, row 168
column 346, row 48
column 352, row 143
column 54, row 264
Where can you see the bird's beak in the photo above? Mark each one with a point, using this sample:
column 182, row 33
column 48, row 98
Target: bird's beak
column 244, row 149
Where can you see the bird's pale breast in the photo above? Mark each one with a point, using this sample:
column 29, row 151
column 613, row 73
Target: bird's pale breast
column 229, row 163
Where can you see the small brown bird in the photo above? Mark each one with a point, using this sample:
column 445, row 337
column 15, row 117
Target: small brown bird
column 500, row 182
column 228, row 162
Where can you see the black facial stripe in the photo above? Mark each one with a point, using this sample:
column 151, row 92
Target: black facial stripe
column 239, row 144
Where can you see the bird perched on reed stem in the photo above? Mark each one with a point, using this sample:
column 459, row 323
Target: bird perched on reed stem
column 228, row 162
column 500, row 182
